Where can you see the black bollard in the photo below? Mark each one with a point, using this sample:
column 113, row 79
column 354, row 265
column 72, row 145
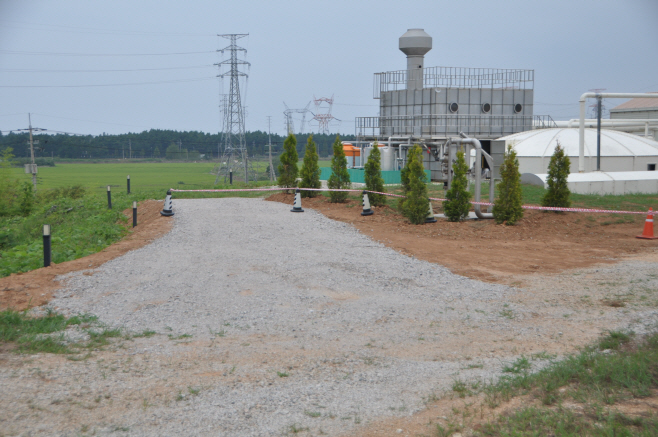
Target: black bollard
column 109, row 198
column 134, row 213
column 128, row 181
column 230, row 177
column 46, row 245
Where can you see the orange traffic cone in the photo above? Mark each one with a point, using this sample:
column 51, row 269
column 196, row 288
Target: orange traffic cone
column 647, row 234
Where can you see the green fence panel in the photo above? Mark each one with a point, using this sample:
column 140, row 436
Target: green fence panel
column 357, row 175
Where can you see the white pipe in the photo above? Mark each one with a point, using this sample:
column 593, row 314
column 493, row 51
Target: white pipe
column 581, row 133
column 607, row 122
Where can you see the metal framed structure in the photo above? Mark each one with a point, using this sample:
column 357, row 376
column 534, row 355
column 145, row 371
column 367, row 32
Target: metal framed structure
column 234, row 155
column 456, row 77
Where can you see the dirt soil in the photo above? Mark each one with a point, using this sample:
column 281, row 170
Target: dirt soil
column 31, row 289
column 540, row 243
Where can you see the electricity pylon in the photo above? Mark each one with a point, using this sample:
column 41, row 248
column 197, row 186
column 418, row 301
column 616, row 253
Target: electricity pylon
column 234, row 156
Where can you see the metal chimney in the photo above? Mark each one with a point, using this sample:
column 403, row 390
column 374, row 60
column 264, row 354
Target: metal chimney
column 415, row 43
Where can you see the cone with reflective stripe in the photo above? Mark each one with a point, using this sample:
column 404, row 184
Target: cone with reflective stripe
column 430, row 216
column 297, row 205
column 167, row 209
column 647, row 234
column 366, row 205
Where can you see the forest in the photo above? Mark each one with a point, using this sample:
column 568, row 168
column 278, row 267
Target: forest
column 154, row 144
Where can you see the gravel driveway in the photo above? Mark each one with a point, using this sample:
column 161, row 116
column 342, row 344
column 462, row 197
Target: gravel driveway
column 268, row 323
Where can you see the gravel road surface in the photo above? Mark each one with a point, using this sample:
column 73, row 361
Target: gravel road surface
column 272, row 323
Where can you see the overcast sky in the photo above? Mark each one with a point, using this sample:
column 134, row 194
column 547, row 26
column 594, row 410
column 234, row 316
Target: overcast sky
column 125, row 66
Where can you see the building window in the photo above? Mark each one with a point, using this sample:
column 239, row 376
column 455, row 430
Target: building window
column 453, row 107
column 651, row 167
column 518, row 108
column 486, row 108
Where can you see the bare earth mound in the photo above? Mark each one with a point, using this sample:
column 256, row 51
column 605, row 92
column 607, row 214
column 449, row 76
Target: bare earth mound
column 540, row 243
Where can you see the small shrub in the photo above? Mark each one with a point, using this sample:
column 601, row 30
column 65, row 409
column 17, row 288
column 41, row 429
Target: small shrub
column 26, row 201
column 415, row 205
column 373, row 177
column 558, row 192
column 288, row 168
column 340, row 178
column 507, row 208
column 310, row 172
column 457, row 203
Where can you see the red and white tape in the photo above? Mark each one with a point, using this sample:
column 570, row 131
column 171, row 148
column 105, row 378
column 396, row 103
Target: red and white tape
column 533, row 207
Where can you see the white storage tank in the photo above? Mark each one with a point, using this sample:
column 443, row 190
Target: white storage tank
column 388, row 158
column 620, row 151
column 365, row 153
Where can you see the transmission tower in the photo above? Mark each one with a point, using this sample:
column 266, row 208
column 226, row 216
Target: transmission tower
column 290, row 125
column 234, row 156
column 593, row 108
column 323, row 118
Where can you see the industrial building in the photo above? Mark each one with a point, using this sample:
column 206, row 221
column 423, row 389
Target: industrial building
column 486, row 109
column 430, row 106
column 640, row 114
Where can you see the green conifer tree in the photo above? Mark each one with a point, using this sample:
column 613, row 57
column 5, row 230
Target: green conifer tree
column 373, row 177
column 457, row 203
column 416, row 205
column 507, row 208
column 310, row 172
column 340, row 178
column 288, row 169
column 558, row 172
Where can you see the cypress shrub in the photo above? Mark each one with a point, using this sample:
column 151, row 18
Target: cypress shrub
column 340, row 178
column 373, row 177
column 310, row 172
column 415, row 205
column 288, row 168
column 507, row 208
column 558, row 171
column 457, row 205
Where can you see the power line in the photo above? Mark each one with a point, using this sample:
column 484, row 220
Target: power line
column 16, row 52
column 90, row 30
column 108, row 84
column 27, row 70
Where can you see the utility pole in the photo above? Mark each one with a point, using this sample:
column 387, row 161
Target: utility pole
column 269, row 143
column 34, row 167
column 130, row 149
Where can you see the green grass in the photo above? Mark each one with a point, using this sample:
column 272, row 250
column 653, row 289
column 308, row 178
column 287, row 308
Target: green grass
column 143, row 176
column 34, row 334
column 80, row 226
column 616, row 369
column 533, row 194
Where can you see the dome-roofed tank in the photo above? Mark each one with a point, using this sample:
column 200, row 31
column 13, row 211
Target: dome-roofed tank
column 415, row 43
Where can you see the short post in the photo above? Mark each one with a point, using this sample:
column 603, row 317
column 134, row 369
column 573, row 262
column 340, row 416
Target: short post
column 134, row 213
column 46, row 245
column 230, row 177
column 109, row 198
column 128, row 181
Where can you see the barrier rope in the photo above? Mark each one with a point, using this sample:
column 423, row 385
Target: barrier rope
column 437, row 199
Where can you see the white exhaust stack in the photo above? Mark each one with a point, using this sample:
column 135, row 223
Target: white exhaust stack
column 415, row 43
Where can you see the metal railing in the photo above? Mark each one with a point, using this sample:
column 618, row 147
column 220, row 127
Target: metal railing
column 449, row 125
column 456, row 77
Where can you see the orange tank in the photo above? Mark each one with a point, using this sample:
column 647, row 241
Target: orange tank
column 350, row 150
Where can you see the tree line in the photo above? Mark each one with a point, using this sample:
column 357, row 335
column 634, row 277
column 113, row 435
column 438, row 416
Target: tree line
column 154, row 144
